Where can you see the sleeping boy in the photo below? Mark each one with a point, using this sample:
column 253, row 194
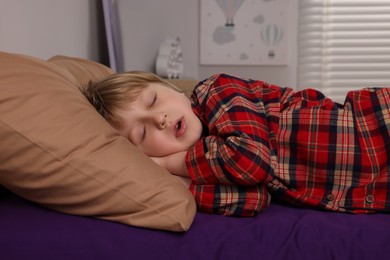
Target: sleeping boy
column 237, row 141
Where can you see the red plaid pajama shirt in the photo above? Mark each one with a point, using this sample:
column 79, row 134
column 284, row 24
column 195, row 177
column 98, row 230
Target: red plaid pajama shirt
column 262, row 140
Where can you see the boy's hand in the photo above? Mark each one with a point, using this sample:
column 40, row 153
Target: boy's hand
column 174, row 163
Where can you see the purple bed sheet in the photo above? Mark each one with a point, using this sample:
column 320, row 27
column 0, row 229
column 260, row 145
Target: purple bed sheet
column 28, row 231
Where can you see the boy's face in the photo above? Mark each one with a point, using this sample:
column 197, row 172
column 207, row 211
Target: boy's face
column 160, row 122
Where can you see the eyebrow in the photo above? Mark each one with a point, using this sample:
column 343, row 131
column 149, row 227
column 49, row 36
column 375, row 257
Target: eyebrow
column 146, row 96
column 142, row 101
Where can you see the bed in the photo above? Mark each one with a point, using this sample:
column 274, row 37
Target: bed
column 63, row 199
column 29, row 231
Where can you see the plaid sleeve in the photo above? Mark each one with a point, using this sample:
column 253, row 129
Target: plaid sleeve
column 335, row 156
column 231, row 200
column 240, row 147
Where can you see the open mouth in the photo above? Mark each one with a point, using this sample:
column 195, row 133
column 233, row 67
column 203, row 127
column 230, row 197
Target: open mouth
column 180, row 127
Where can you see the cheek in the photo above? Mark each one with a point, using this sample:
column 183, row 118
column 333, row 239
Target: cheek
column 180, row 99
column 155, row 145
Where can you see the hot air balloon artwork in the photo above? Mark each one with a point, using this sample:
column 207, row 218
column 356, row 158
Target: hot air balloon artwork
column 271, row 35
column 229, row 9
column 244, row 32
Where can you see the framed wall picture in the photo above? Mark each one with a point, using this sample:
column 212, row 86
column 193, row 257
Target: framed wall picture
column 243, row 32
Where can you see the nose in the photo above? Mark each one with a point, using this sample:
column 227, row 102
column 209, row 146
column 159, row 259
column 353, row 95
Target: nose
column 160, row 120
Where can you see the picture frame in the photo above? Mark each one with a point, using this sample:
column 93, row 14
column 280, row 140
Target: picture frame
column 243, row 32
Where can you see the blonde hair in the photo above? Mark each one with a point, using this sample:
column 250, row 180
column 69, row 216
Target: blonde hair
column 118, row 90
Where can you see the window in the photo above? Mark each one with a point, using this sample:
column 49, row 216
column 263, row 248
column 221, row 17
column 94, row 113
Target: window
column 343, row 45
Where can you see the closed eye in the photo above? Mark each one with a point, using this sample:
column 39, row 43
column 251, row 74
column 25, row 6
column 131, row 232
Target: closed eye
column 143, row 133
column 153, row 100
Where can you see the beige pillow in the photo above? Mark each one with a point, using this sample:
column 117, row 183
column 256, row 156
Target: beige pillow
column 56, row 150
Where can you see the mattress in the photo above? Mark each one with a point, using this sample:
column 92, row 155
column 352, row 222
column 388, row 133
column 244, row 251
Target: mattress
column 29, row 231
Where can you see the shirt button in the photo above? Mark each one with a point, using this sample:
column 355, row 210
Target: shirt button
column 330, row 197
column 370, row 198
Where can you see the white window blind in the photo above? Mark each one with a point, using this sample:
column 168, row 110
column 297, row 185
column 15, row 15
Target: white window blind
column 343, row 45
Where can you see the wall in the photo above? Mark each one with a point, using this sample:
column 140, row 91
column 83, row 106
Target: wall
column 44, row 28
column 145, row 24
column 280, row 75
